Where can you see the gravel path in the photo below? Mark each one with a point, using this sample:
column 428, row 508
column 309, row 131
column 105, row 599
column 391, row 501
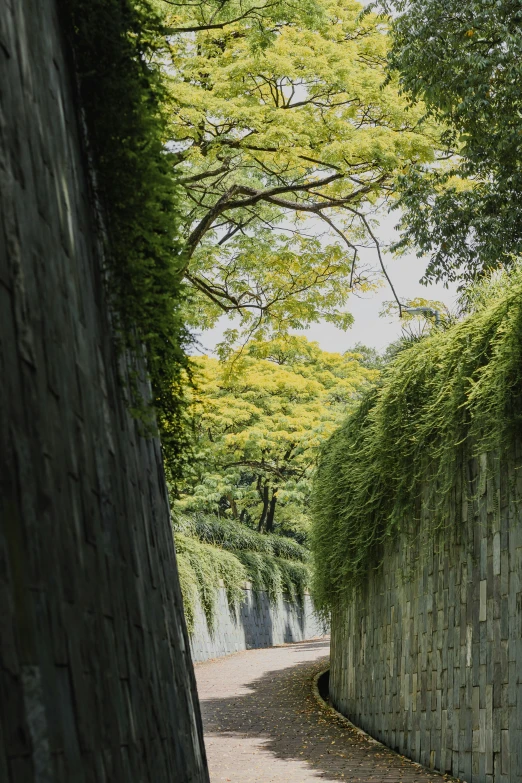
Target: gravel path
column 263, row 725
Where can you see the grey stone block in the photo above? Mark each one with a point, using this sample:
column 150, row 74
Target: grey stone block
column 458, row 684
column 96, row 682
column 258, row 623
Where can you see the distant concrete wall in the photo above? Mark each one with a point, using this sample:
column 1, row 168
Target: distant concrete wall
column 428, row 657
column 259, row 623
column 96, row 682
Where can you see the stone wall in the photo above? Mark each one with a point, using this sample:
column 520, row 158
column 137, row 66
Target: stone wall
column 96, row 682
column 259, row 623
column 428, row 658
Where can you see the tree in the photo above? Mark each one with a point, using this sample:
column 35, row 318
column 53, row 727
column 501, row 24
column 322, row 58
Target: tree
column 258, row 428
column 283, row 131
column 464, row 61
column 220, row 14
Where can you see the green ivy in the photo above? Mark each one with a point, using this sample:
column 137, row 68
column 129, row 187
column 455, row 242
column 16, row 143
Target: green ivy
column 212, row 550
column 456, row 393
column 201, row 567
column 236, row 536
column 122, row 96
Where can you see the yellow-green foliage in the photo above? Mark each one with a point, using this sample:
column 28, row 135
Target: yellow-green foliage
column 259, row 423
column 283, row 114
column 457, row 389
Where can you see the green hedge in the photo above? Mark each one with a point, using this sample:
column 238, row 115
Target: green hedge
column 235, row 536
column 211, row 549
column 454, row 390
column 201, row 566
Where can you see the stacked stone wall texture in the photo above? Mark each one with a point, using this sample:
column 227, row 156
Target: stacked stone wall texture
column 96, row 682
column 258, row 623
column 428, row 658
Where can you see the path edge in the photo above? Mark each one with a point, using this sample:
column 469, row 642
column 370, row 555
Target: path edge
column 343, row 719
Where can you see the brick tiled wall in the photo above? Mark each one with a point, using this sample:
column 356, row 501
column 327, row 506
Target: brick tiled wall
column 428, row 658
column 259, row 622
column 96, row 682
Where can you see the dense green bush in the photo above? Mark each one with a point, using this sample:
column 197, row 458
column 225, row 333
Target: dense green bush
column 210, row 550
column 457, row 391
column 122, row 96
column 236, row 536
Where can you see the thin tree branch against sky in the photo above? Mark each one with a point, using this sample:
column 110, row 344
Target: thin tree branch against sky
column 286, row 135
column 369, row 327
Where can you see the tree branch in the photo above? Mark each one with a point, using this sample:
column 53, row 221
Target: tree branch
column 224, row 204
column 218, row 25
column 203, row 175
column 273, row 469
column 381, row 261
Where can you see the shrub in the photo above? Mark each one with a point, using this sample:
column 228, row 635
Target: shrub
column 235, row 536
column 210, row 550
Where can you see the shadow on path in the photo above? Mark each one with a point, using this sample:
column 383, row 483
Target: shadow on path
column 275, row 718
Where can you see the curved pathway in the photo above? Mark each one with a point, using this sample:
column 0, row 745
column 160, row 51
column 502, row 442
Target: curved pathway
column 263, row 724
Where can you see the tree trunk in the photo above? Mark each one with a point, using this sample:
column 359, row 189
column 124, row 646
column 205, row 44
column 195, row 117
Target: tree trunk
column 271, row 512
column 265, row 508
column 233, row 505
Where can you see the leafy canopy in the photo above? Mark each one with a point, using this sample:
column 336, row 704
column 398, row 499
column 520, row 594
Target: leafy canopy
column 463, row 60
column 258, row 427
column 286, row 142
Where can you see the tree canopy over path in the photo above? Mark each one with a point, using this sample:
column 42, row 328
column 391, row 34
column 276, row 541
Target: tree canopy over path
column 285, row 139
column 462, row 59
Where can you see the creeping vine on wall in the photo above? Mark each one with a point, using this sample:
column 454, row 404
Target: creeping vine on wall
column 210, row 550
column 122, row 95
column 455, row 391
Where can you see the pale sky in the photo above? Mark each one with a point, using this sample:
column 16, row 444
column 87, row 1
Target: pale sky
column 368, row 327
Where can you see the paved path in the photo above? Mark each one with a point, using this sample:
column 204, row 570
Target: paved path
column 263, row 725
